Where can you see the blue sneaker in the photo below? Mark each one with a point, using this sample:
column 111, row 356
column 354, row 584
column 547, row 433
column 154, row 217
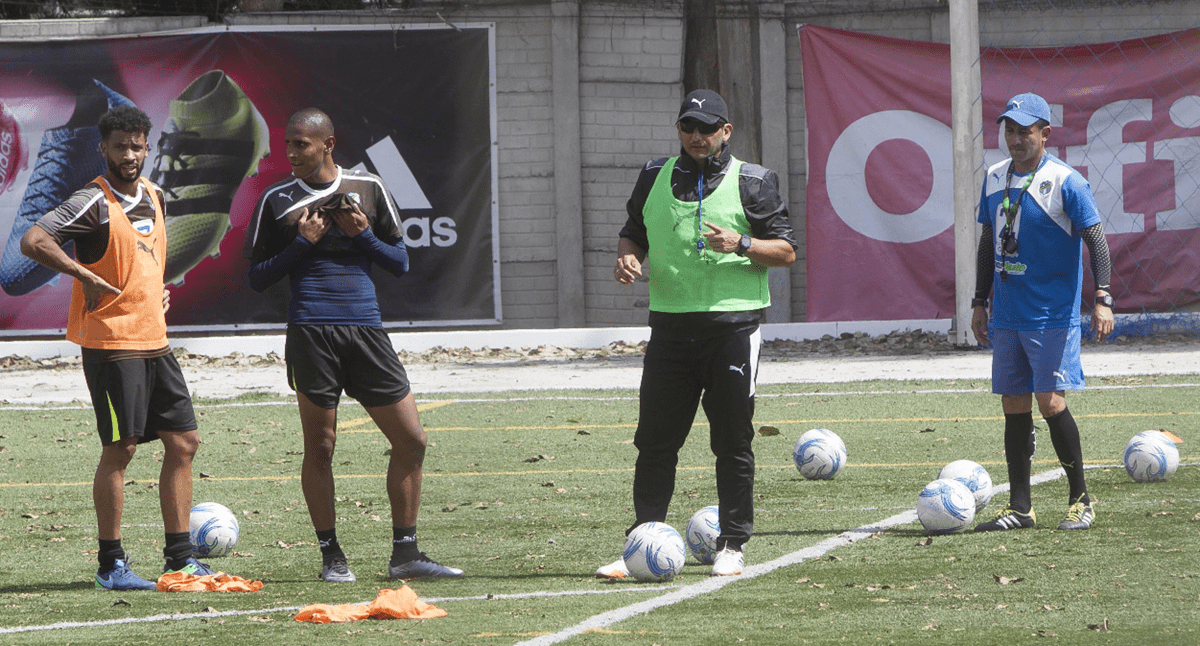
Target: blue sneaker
column 120, row 577
column 67, row 160
column 193, row 567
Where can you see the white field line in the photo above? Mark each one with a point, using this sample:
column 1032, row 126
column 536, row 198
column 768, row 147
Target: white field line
column 712, row 584
column 491, row 400
column 679, row 593
column 176, row 616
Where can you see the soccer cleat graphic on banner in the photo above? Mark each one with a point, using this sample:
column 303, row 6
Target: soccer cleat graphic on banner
column 68, row 159
column 213, row 139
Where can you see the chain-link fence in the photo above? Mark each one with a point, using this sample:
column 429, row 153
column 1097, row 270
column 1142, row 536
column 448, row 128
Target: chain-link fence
column 1123, row 82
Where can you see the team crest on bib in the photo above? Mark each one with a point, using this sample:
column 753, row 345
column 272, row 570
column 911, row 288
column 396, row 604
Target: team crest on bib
column 1044, row 187
column 143, row 226
column 356, row 197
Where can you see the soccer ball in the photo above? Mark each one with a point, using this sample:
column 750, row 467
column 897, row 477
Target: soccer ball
column 1151, row 456
column 974, row 476
column 819, row 454
column 702, row 532
column 654, row 552
column 213, row 530
column 945, row 506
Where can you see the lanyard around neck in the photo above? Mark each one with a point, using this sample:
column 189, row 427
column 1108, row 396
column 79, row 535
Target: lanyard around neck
column 700, row 214
column 1010, row 209
column 1008, row 232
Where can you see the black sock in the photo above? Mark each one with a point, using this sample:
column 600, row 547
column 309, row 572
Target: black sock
column 110, row 552
column 329, row 543
column 404, row 545
column 177, row 550
column 1018, row 450
column 1064, row 433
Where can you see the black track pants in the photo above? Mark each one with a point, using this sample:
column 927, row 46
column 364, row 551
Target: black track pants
column 677, row 375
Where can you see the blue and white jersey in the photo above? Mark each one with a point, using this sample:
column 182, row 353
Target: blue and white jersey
column 1045, row 276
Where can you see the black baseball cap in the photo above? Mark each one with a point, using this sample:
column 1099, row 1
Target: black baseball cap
column 705, row 106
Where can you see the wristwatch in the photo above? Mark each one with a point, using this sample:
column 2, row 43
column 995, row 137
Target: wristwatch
column 979, row 302
column 1105, row 300
column 743, row 246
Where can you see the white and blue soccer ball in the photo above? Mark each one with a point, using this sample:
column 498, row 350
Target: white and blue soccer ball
column 819, row 454
column 945, row 506
column 1151, row 456
column 213, row 530
column 702, row 532
column 974, row 476
column 654, row 552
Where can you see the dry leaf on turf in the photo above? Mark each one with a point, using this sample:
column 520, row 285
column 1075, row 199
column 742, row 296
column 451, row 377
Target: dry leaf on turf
column 1103, row 626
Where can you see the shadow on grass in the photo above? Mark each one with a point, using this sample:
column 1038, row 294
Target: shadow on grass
column 29, row 588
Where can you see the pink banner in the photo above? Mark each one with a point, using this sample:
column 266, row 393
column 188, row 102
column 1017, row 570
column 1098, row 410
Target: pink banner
column 879, row 201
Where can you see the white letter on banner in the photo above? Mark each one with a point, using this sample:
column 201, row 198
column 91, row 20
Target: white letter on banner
column 846, row 176
column 1106, row 154
column 394, row 171
column 422, row 237
column 1184, row 153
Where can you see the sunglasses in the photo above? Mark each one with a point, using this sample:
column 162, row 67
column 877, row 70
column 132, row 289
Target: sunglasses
column 690, row 126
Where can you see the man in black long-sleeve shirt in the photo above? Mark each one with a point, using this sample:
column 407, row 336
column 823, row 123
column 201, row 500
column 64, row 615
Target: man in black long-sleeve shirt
column 708, row 226
column 323, row 228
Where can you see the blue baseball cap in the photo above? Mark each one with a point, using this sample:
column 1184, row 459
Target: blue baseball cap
column 1026, row 109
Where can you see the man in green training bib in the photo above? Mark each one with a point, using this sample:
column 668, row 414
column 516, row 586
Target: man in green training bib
column 707, row 225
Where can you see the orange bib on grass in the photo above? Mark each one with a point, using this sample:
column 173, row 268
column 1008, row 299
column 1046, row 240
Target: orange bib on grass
column 133, row 263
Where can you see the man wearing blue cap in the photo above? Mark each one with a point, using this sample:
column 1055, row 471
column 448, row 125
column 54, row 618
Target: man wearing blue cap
column 1037, row 213
column 708, row 226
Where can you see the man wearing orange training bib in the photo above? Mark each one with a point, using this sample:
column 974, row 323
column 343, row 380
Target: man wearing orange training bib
column 117, row 316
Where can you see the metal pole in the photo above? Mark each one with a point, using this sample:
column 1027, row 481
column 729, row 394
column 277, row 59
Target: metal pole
column 967, row 123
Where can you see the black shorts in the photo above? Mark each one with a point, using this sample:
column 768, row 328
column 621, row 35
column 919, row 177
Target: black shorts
column 324, row 360
column 139, row 398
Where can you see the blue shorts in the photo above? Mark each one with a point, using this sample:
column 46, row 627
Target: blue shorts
column 1036, row 361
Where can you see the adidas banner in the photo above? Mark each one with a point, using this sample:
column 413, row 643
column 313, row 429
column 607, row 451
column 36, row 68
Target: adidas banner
column 414, row 106
column 879, row 206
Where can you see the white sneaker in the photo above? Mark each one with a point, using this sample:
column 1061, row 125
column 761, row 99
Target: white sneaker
column 728, row 562
column 614, row 570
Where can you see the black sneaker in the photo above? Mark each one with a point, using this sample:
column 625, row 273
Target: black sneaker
column 1008, row 518
column 1079, row 515
column 336, row 570
column 422, row 566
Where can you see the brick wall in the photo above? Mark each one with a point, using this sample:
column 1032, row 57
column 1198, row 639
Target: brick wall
column 630, row 88
column 525, row 127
